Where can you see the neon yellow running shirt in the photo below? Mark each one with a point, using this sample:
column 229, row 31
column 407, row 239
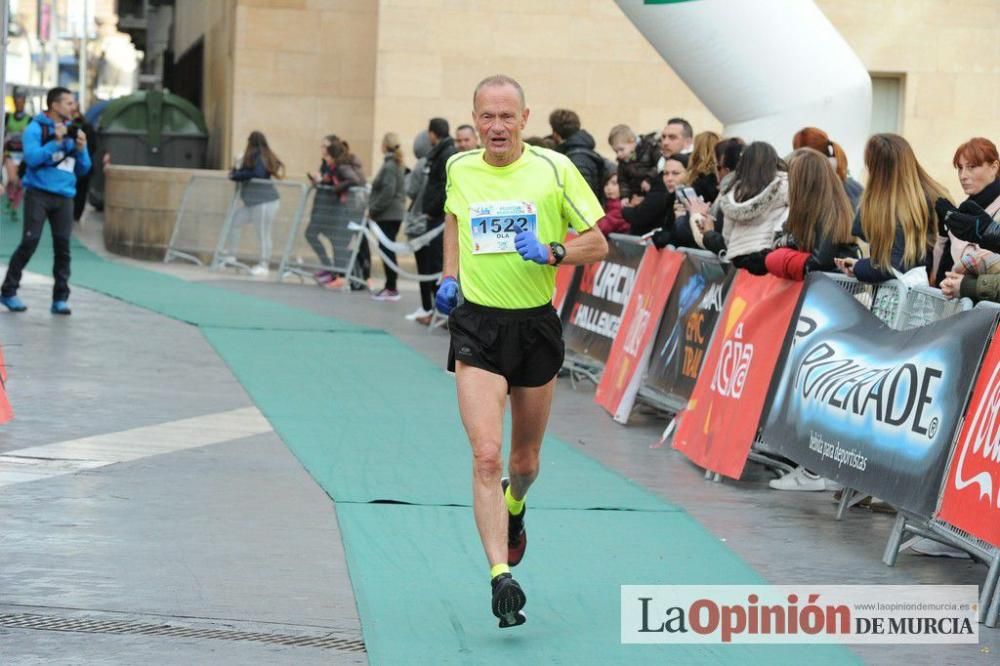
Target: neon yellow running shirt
column 541, row 188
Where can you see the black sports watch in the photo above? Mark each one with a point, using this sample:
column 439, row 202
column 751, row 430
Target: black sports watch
column 558, row 252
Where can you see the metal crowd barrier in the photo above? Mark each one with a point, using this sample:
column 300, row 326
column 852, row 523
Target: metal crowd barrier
column 321, row 239
column 925, row 305
column 223, row 223
column 258, row 223
column 989, row 596
column 899, row 307
column 922, row 306
column 885, row 300
column 904, row 308
column 207, row 203
column 989, row 599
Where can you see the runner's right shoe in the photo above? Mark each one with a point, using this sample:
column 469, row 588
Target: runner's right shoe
column 517, row 537
column 508, row 600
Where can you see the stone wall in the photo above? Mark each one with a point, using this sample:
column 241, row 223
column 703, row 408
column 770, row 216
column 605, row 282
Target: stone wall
column 304, row 69
column 140, row 208
column 299, row 69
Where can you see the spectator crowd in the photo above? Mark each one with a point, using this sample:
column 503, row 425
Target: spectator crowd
column 740, row 199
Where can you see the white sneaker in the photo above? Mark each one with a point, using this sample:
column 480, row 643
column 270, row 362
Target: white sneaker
column 260, row 270
column 803, row 480
column 419, row 313
column 932, row 548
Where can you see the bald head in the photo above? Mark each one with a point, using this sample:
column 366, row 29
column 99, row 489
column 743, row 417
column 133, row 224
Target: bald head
column 499, row 115
column 497, row 81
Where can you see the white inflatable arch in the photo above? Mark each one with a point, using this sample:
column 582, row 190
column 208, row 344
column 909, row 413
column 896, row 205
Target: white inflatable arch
column 765, row 68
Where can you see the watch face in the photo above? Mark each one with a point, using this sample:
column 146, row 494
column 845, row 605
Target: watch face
column 558, row 251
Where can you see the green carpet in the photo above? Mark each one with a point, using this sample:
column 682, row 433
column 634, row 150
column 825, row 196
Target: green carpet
column 372, row 420
column 197, row 304
column 423, row 595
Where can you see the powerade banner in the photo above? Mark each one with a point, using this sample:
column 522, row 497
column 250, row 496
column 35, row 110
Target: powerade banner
column 630, row 351
column 596, row 300
column 687, row 325
column 971, row 498
column 871, row 407
column 720, row 422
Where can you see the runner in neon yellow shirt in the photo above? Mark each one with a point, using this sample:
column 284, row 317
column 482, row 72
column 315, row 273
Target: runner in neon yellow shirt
column 541, row 187
column 507, row 212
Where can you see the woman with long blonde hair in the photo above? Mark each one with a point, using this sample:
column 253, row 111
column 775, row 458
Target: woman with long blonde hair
column 897, row 215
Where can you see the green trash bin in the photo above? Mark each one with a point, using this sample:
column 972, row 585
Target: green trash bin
column 148, row 128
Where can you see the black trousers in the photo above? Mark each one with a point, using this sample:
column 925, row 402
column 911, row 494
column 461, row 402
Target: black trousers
column 430, row 260
column 390, row 228
column 38, row 207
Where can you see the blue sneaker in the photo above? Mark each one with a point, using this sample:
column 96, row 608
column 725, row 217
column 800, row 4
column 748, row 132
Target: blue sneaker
column 61, row 308
column 13, row 303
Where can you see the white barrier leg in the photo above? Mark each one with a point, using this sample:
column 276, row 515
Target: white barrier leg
column 845, row 502
column 895, row 537
column 989, row 598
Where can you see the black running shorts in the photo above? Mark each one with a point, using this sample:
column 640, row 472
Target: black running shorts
column 523, row 346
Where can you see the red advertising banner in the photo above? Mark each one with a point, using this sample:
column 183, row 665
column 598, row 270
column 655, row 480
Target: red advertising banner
column 640, row 320
column 971, row 499
column 718, row 427
column 6, row 411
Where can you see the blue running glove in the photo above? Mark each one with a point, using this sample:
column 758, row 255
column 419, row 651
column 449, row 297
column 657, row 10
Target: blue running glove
column 447, row 295
column 530, row 248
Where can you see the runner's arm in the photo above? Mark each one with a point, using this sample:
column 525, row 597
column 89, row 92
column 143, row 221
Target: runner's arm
column 588, row 247
column 451, row 245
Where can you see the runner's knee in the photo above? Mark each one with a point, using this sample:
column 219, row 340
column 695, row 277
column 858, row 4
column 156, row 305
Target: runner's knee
column 524, row 463
column 487, row 460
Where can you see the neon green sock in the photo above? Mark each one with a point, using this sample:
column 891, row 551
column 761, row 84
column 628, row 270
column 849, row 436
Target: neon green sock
column 498, row 569
column 513, row 505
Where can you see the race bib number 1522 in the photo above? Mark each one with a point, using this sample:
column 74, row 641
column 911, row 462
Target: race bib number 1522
column 496, row 223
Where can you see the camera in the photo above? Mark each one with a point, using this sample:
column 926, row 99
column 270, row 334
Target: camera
column 73, row 130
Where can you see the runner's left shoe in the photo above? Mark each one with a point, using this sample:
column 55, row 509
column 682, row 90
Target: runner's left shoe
column 508, row 600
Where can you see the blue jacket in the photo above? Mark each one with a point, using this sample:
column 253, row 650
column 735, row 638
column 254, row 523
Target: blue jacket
column 255, row 193
column 866, row 271
column 52, row 166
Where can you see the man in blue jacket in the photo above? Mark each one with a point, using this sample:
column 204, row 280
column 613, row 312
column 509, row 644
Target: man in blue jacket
column 55, row 156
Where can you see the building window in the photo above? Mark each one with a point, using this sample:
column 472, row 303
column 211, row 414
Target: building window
column 887, row 103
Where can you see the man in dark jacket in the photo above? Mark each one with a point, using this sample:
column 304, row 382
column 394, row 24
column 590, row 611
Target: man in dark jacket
column 443, row 147
column 578, row 146
column 430, row 258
